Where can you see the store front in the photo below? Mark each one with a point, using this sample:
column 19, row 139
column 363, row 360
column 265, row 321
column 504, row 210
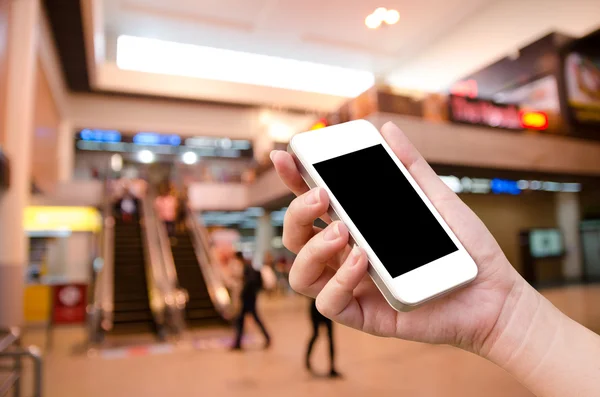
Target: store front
column 63, row 244
column 518, row 148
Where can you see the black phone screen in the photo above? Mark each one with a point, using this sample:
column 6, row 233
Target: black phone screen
column 386, row 209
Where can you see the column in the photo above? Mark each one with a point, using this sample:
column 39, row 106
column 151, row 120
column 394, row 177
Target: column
column 264, row 235
column 568, row 216
column 22, row 46
column 66, row 151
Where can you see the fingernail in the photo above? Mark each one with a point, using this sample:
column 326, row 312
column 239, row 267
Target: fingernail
column 354, row 256
column 314, row 197
column 333, row 232
column 272, row 154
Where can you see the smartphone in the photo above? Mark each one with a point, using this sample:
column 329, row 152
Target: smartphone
column 413, row 254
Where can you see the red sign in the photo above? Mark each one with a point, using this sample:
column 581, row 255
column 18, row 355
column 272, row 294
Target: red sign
column 486, row 113
column 534, row 120
column 69, row 302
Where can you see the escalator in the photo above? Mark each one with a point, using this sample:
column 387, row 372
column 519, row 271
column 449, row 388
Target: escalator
column 131, row 306
column 200, row 309
column 135, row 283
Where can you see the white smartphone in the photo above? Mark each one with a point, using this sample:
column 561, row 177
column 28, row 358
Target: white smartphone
column 414, row 256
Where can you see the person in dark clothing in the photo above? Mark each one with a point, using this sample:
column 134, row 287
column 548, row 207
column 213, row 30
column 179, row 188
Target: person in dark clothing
column 250, row 290
column 317, row 320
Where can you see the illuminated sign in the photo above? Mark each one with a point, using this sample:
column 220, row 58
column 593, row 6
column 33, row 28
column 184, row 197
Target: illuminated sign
column 505, row 186
column 485, row 113
column 218, row 143
column 95, row 135
column 322, row 123
column 71, row 219
column 534, row 120
column 152, row 138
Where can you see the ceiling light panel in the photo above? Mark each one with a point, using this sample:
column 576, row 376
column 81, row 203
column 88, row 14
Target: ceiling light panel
column 165, row 57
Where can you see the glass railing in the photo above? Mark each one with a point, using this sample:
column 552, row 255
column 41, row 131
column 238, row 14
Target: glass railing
column 215, row 283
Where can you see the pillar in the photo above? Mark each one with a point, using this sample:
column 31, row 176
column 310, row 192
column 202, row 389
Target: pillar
column 568, row 216
column 264, row 235
column 18, row 131
column 66, row 151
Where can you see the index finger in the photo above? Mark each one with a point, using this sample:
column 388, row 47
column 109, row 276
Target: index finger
column 288, row 172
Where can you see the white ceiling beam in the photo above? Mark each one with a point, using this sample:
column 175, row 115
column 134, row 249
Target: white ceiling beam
column 92, row 17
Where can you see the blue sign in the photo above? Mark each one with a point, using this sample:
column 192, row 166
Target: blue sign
column 100, row 135
column 505, row 186
column 152, row 138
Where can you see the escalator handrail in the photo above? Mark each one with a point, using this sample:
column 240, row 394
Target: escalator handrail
column 176, row 298
column 215, row 284
column 101, row 308
column 158, row 294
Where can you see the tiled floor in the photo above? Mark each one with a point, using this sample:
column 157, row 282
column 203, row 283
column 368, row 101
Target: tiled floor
column 371, row 366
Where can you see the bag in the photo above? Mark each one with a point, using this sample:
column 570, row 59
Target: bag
column 269, row 279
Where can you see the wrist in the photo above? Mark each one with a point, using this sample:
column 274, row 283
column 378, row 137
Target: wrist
column 525, row 332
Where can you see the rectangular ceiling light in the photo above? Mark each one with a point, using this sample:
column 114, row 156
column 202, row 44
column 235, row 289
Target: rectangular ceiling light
column 166, row 57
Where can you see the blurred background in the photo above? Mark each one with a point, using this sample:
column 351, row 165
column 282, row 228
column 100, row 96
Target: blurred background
column 134, row 164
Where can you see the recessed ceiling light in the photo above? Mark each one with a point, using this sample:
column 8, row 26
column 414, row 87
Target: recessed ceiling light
column 189, row 158
column 372, row 21
column 380, row 12
column 381, row 15
column 146, row 156
column 392, row 17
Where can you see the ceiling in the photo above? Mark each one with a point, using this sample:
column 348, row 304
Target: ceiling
column 331, row 32
column 435, row 43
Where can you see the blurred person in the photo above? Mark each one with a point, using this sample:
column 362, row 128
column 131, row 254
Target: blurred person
column 250, row 290
column 127, row 205
column 498, row 316
column 234, row 276
column 269, row 279
column 317, row 319
column 166, row 208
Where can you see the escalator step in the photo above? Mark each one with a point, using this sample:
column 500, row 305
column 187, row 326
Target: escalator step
column 125, row 317
column 129, row 328
column 127, row 306
column 199, row 304
column 196, row 314
column 125, row 296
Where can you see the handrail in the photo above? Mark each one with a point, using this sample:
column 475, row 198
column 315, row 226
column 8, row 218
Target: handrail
column 100, row 310
column 175, row 297
column 219, row 295
column 10, row 349
column 166, row 296
column 158, row 293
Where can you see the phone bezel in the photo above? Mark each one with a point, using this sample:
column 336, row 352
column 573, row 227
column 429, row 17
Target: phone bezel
column 416, row 286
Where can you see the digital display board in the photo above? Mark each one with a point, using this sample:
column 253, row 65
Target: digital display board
column 166, row 144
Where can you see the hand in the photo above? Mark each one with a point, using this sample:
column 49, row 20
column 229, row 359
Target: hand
column 328, row 269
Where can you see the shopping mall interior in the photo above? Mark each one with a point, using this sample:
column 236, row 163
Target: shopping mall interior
column 137, row 186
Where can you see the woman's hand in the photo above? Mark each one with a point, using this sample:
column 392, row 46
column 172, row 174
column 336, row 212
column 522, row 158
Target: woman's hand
column 498, row 315
column 327, row 269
